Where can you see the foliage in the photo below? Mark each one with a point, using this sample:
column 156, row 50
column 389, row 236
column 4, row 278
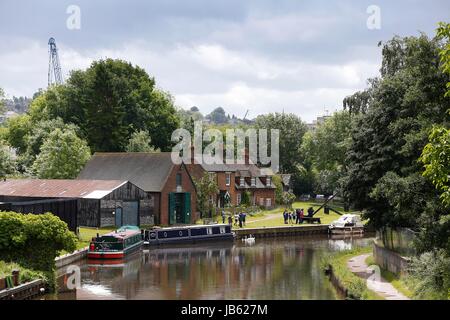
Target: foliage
column 245, row 199
column 108, row 102
column 18, row 130
column 443, row 32
column 140, row 141
column 287, row 199
column 436, row 160
column 34, row 241
column 2, row 101
column 292, row 129
column 277, row 182
column 355, row 286
column 218, row 116
column 389, row 137
column 430, row 275
column 26, row 275
column 206, row 190
column 63, row 155
column 7, row 163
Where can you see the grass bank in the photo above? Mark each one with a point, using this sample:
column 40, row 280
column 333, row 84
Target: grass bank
column 355, row 286
column 25, row 275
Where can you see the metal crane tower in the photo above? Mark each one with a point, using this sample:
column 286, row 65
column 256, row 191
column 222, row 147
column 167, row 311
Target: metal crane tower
column 54, row 68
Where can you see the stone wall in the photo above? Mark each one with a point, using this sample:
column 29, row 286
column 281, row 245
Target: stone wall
column 390, row 260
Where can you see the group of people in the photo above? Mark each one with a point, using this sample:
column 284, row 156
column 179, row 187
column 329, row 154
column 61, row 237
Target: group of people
column 239, row 219
column 293, row 217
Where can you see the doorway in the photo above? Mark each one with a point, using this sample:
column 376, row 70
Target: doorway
column 179, row 207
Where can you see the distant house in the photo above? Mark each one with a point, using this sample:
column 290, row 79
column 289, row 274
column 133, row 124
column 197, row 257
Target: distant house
column 92, row 203
column 169, row 186
column 235, row 179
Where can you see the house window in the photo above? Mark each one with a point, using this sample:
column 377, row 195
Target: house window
column 238, row 199
column 178, row 179
column 227, row 178
column 261, row 201
column 253, row 182
column 269, row 181
column 242, row 182
column 268, row 202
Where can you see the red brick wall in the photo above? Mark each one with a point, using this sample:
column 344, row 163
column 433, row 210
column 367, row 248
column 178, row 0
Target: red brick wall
column 171, row 186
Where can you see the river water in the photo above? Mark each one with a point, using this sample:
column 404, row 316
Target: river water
column 282, row 268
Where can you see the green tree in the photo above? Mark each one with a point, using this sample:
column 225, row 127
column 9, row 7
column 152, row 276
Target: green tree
column 18, row 130
column 287, row 199
column 140, row 142
column 206, row 189
column 7, row 163
column 2, row 102
column 245, row 199
column 63, row 155
column 404, row 105
column 292, row 129
column 218, row 116
column 108, row 102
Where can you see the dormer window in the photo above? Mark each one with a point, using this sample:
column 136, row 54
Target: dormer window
column 269, row 181
column 227, row 178
column 242, row 182
column 253, row 182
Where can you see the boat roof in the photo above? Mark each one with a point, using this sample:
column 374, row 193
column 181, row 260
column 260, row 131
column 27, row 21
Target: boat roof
column 124, row 232
column 192, row 226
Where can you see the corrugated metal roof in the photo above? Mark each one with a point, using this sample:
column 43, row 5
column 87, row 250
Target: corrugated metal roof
column 58, row 188
column 148, row 171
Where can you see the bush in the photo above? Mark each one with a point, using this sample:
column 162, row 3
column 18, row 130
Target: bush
column 429, row 275
column 34, row 241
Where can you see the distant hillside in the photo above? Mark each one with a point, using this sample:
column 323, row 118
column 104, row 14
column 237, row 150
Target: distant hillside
column 218, row 117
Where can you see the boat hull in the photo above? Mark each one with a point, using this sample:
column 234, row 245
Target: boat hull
column 114, row 254
column 347, row 230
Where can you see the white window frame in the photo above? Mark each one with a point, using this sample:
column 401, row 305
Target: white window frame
column 268, row 202
column 269, row 181
column 227, row 179
column 238, row 198
column 242, row 182
column 253, row 181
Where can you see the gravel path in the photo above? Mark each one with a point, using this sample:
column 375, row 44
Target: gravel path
column 374, row 280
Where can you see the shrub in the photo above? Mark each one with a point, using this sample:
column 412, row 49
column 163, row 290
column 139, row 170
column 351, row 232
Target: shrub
column 34, row 241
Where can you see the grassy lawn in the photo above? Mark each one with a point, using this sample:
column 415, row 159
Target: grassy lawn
column 274, row 218
column 355, row 285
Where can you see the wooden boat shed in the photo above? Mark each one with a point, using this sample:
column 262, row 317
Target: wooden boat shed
column 92, row 203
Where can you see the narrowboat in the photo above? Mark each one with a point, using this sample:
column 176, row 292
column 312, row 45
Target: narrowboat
column 347, row 224
column 116, row 244
column 185, row 234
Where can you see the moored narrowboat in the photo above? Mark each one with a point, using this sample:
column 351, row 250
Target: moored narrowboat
column 186, row 234
column 117, row 244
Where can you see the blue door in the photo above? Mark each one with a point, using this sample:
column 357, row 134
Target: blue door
column 130, row 213
column 118, row 217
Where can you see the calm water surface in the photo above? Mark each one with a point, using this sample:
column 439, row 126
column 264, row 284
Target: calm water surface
column 287, row 268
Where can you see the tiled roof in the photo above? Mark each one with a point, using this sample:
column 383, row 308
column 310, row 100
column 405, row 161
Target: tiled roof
column 147, row 170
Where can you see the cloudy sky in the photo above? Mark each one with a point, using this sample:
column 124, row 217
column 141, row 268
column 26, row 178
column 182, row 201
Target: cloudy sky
column 298, row 56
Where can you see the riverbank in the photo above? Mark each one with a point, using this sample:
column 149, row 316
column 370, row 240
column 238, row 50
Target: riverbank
column 348, row 283
column 17, row 282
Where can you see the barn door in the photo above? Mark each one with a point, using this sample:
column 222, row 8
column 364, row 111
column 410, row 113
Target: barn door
column 130, row 213
column 118, row 216
column 172, row 208
column 187, row 208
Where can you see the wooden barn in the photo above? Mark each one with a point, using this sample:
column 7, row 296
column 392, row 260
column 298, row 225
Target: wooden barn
column 170, row 185
column 99, row 203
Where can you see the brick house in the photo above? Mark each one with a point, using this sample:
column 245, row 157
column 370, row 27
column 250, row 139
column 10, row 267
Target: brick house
column 170, row 186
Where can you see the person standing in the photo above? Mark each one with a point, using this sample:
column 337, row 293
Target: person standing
column 290, row 217
column 236, row 218
column 223, row 216
column 230, row 220
column 244, row 215
column 240, row 220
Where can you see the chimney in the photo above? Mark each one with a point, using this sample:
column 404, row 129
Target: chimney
column 247, row 156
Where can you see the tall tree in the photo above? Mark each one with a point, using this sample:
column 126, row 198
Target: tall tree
column 292, row 129
column 387, row 139
column 63, row 155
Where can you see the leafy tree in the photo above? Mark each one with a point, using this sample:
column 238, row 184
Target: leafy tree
column 287, row 199
column 7, row 163
column 277, row 182
column 34, row 241
column 140, row 142
column 2, row 102
column 245, row 199
column 218, row 116
column 404, row 104
column 18, row 130
column 206, row 190
column 63, row 155
column 108, row 102
column 292, row 129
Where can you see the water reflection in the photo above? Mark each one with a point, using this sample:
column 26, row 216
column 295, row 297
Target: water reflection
column 270, row 269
